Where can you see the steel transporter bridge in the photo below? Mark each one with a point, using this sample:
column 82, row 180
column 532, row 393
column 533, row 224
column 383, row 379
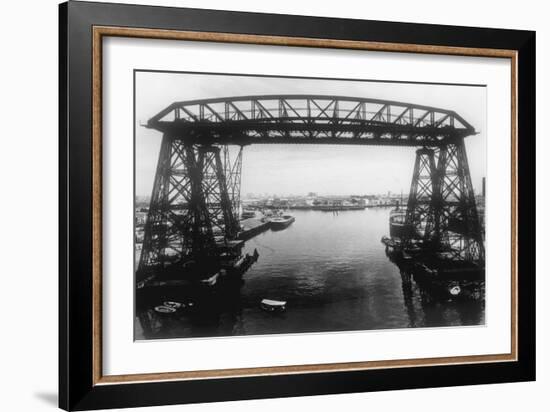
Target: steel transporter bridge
column 193, row 215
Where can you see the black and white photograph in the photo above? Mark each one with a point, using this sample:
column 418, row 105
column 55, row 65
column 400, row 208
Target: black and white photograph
column 275, row 206
column 279, row 205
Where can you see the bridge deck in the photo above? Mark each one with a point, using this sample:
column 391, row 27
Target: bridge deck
column 309, row 119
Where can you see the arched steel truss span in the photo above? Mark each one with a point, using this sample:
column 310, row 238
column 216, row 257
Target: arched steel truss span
column 313, row 119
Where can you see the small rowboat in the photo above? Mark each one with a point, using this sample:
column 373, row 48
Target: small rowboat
column 175, row 305
column 455, row 290
column 164, row 309
column 273, row 305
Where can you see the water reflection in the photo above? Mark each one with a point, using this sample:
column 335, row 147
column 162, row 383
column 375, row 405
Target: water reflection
column 335, row 276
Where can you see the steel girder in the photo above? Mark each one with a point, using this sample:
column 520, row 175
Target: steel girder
column 232, row 172
column 222, row 217
column 309, row 119
column 423, row 192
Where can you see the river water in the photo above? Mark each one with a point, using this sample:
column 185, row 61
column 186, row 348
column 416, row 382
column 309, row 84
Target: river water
column 335, row 276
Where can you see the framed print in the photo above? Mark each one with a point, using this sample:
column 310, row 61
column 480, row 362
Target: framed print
column 257, row 205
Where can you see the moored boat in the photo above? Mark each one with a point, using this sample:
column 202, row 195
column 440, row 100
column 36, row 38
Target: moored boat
column 271, row 305
column 399, row 228
column 281, row 222
column 167, row 310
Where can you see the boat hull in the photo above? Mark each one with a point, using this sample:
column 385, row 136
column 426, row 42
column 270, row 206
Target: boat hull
column 280, row 224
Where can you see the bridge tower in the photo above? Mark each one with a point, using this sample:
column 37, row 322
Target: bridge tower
column 194, row 206
column 441, row 208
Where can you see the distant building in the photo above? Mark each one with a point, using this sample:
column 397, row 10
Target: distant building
column 141, row 218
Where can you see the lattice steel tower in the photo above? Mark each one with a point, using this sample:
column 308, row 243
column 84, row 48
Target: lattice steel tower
column 194, row 206
column 441, row 206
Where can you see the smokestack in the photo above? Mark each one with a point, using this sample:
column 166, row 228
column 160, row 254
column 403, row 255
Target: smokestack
column 483, row 186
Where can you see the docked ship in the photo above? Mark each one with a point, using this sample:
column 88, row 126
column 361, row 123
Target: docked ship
column 399, row 228
column 281, row 222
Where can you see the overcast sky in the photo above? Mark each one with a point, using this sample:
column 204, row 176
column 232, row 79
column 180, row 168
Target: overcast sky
column 299, row 169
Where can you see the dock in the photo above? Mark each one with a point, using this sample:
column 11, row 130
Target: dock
column 252, row 227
